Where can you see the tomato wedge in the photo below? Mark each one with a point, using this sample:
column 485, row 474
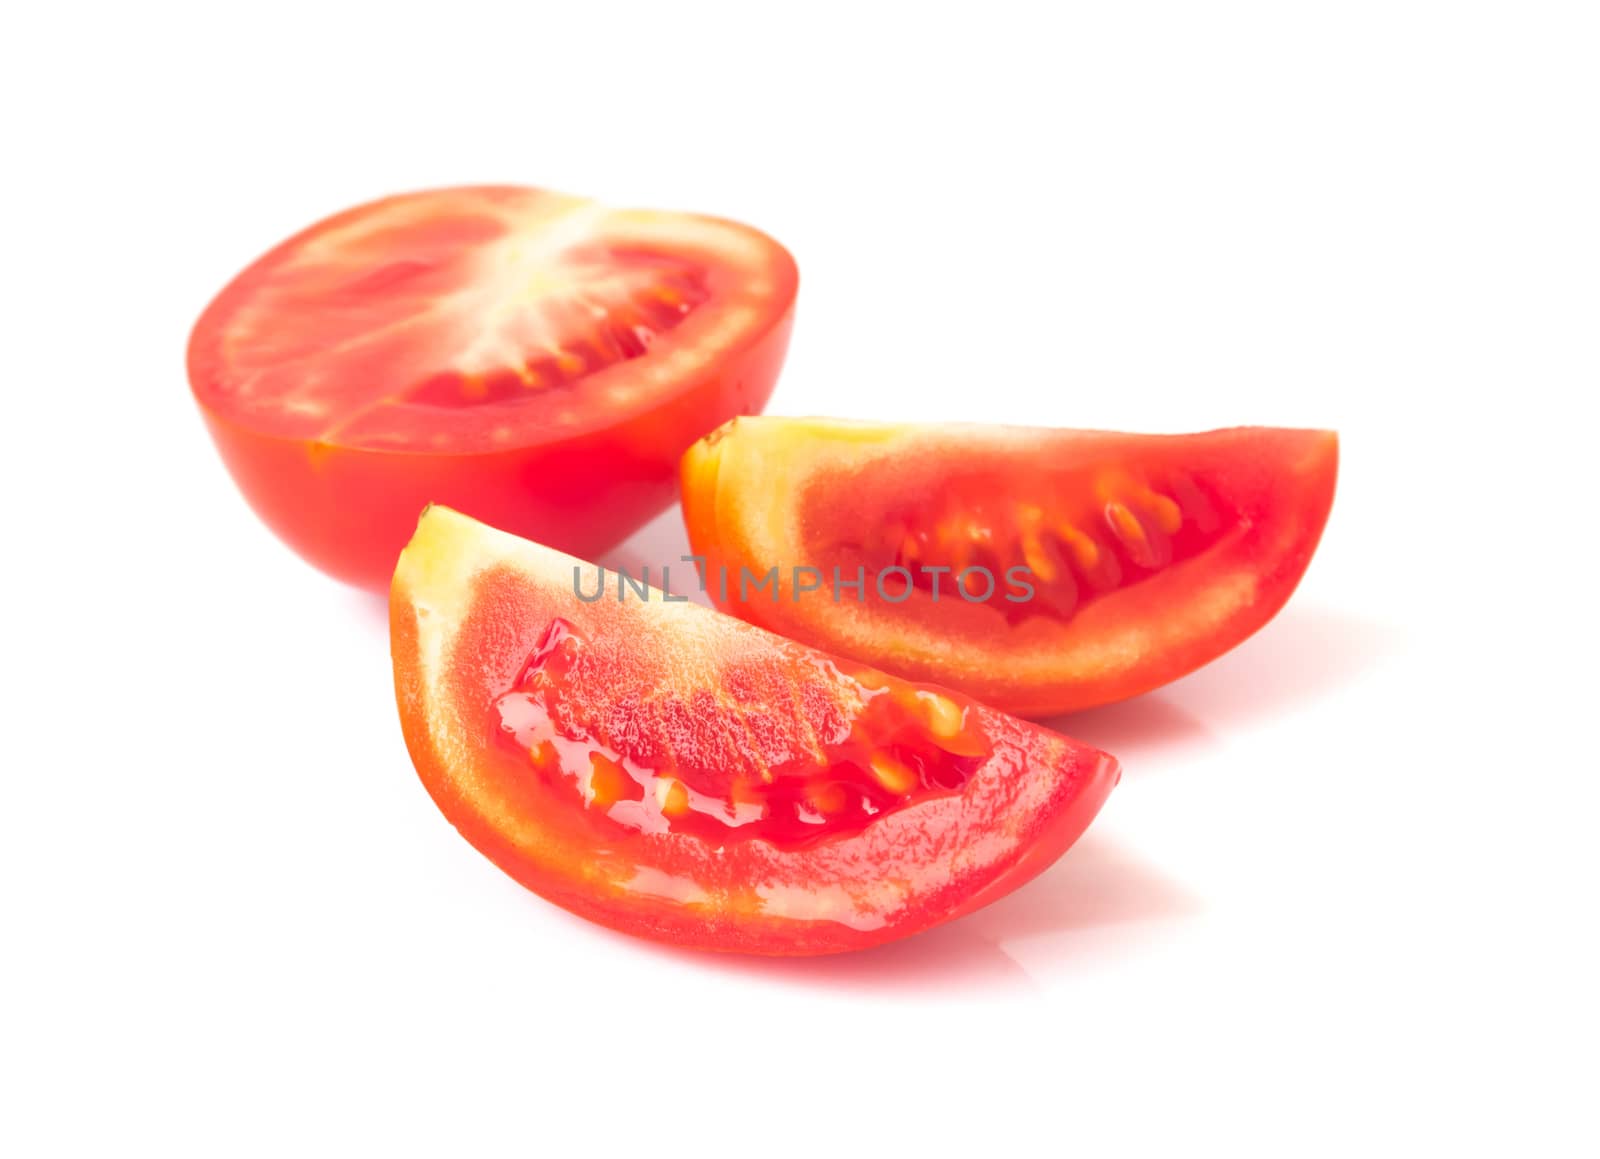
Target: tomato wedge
column 678, row 774
column 536, row 359
column 1039, row 570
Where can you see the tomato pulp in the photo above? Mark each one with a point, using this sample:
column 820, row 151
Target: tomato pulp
column 535, row 359
column 678, row 774
column 1039, row 570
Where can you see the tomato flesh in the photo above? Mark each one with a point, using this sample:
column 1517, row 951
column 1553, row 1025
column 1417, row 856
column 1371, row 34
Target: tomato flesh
column 1040, row 570
column 531, row 357
column 897, row 746
column 679, row 774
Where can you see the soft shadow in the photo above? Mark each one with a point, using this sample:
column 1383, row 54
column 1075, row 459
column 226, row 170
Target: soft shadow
column 949, row 959
column 1095, row 885
column 1304, row 654
column 1300, row 656
column 368, row 607
column 1144, row 733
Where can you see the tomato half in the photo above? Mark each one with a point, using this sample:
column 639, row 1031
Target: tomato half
column 678, row 774
column 538, row 360
column 1039, row 570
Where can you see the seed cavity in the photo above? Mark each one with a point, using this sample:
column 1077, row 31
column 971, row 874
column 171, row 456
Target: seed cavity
column 608, row 781
column 903, row 743
column 944, row 716
column 671, row 797
column 1098, row 535
column 893, row 775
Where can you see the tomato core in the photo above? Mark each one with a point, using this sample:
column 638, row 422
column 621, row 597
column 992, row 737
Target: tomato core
column 614, row 313
column 904, row 743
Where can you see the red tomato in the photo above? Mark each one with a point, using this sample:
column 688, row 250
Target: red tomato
column 1048, row 570
column 535, row 359
column 675, row 773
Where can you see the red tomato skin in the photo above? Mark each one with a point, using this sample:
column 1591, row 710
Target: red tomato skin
column 1028, row 803
column 348, row 511
column 1281, row 482
column 739, row 934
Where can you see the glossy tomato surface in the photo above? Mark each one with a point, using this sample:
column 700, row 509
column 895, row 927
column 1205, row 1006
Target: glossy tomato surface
column 535, row 359
column 1039, row 570
column 678, row 774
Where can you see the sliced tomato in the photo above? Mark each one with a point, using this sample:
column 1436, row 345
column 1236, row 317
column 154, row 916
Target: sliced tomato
column 538, row 360
column 675, row 773
column 1039, row 570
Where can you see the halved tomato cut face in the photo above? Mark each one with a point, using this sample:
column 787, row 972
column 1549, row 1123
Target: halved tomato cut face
column 676, row 773
column 536, row 359
column 1039, row 570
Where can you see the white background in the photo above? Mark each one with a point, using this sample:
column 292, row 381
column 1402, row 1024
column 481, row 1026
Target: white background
column 1344, row 899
